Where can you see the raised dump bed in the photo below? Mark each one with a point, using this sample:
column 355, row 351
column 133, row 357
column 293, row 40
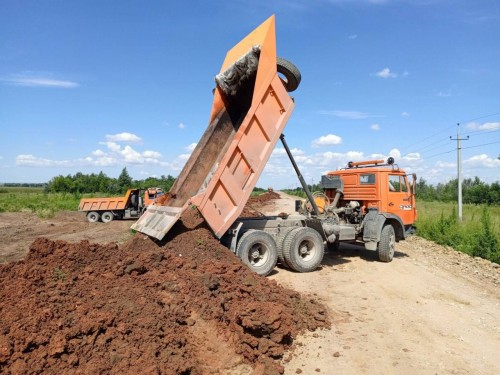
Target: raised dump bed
column 250, row 109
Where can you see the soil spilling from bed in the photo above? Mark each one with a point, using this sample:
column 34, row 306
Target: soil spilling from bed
column 186, row 305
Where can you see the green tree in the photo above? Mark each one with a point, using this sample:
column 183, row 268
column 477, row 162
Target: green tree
column 124, row 181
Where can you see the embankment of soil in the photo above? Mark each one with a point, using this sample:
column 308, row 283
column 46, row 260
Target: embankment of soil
column 183, row 306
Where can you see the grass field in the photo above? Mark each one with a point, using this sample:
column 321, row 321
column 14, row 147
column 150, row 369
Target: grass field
column 35, row 200
column 478, row 234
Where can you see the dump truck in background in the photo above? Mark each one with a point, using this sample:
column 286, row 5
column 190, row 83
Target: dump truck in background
column 129, row 206
column 251, row 107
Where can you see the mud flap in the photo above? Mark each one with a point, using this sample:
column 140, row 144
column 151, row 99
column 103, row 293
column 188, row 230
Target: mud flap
column 371, row 225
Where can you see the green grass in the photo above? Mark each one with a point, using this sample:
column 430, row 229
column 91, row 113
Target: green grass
column 21, row 199
column 478, row 234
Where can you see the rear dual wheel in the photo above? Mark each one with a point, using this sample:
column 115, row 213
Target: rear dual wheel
column 257, row 250
column 303, row 249
column 93, row 217
column 107, row 216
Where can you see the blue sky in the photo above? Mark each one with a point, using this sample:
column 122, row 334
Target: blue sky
column 100, row 85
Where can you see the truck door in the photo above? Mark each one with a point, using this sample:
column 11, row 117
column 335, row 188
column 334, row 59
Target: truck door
column 399, row 198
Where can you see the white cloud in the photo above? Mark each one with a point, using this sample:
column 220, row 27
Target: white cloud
column 31, row 80
column 123, row 137
column 98, row 153
column 445, row 165
column 487, row 126
column 386, row 73
column 182, row 125
column 115, row 147
column 151, row 154
column 280, row 151
column 482, row 161
column 350, row 115
column 112, row 155
column 327, row 140
column 353, row 36
column 395, row 153
column 29, row 160
column 444, row 94
column 405, row 114
column 191, row 147
column 375, row 127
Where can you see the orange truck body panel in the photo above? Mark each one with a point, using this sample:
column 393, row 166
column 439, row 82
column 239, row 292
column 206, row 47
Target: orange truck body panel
column 228, row 160
column 116, row 203
column 105, row 204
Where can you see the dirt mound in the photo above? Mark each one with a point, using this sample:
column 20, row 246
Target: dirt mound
column 254, row 203
column 185, row 306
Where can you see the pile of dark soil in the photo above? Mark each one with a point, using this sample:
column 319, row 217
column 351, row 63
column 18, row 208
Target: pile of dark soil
column 185, row 306
column 251, row 208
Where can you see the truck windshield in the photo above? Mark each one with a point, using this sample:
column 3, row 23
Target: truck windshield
column 397, row 183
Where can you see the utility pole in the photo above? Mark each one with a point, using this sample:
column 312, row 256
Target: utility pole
column 459, row 167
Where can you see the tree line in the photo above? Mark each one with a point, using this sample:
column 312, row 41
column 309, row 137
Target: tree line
column 80, row 183
column 474, row 191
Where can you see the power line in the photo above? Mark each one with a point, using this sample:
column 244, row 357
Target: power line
column 432, row 135
column 479, row 118
column 463, row 148
column 438, row 144
column 480, row 132
column 450, row 127
column 484, row 144
column 441, row 153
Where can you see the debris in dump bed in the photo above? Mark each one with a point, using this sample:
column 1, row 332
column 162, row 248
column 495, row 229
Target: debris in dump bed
column 185, row 306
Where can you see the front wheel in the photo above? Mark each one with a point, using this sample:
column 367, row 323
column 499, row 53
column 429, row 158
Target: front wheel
column 257, row 250
column 387, row 244
column 93, row 217
column 303, row 249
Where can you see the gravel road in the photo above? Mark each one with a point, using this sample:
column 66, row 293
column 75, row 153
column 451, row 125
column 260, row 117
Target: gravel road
column 430, row 311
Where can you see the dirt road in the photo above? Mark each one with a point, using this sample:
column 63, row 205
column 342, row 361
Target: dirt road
column 430, row 311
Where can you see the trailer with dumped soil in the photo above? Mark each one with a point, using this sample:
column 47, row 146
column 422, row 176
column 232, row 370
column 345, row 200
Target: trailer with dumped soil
column 251, row 107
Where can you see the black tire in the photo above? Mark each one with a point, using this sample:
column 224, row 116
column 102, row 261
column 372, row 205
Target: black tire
column 93, row 217
column 257, row 250
column 303, row 250
column 387, row 244
column 290, row 72
column 280, row 239
column 107, row 216
column 133, row 200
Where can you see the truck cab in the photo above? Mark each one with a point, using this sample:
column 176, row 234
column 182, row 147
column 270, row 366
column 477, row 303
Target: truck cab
column 365, row 197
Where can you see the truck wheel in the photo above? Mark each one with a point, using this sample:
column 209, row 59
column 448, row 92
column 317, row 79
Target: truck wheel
column 387, row 244
column 290, row 72
column 257, row 250
column 280, row 239
column 93, row 217
column 107, row 216
column 303, row 249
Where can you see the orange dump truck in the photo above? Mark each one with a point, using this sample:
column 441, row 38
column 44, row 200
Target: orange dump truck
column 251, row 107
column 129, row 206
